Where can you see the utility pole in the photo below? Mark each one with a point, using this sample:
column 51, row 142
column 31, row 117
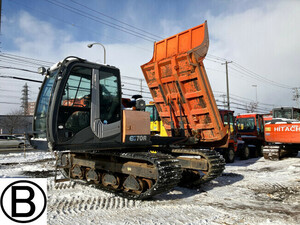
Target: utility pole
column 296, row 96
column 224, row 101
column 141, row 86
column 254, row 85
column 227, row 83
column 25, row 99
column 0, row 18
column 0, row 14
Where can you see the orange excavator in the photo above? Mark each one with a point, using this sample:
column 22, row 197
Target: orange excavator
column 282, row 134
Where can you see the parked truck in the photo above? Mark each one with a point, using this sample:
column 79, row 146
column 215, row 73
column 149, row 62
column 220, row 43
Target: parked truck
column 81, row 116
column 250, row 128
column 282, row 134
column 235, row 146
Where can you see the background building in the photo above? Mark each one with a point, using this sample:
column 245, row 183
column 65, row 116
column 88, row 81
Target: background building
column 31, row 107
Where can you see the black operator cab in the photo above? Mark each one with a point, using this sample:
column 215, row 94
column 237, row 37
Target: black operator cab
column 79, row 106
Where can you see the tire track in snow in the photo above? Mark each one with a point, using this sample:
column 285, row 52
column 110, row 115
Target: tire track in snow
column 76, row 204
column 276, row 191
column 60, row 186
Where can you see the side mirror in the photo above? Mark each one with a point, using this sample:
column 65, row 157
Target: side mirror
column 42, row 70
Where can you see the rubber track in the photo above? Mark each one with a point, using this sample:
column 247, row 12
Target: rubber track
column 271, row 152
column 216, row 164
column 169, row 173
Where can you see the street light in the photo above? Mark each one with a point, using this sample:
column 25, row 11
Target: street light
column 254, row 85
column 97, row 43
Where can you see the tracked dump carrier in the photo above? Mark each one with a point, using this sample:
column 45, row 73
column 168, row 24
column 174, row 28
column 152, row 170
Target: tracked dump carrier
column 81, row 116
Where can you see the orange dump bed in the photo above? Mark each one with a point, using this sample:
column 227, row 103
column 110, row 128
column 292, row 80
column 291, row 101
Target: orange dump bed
column 180, row 88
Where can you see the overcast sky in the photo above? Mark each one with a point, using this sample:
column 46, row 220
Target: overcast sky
column 261, row 38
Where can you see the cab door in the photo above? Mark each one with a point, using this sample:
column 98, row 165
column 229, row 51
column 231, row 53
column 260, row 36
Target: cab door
column 74, row 106
column 106, row 102
column 89, row 109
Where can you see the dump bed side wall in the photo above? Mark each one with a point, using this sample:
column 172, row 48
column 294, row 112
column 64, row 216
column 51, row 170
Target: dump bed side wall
column 179, row 85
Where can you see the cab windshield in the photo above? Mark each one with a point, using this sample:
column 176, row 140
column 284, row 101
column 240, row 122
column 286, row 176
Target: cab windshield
column 285, row 113
column 245, row 124
column 153, row 113
column 43, row 104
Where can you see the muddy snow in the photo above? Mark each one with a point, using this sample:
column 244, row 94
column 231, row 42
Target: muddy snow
column 254, row 191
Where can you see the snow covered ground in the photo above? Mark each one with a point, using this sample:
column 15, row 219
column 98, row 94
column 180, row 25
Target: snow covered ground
column 254, row 191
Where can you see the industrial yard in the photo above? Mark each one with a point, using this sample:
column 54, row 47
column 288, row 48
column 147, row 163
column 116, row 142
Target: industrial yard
column 253, row 191
column 149, row 112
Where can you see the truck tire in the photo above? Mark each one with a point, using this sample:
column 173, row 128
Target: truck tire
column 229, row 155
column 260, row 150
column 245, row 153
column 255, row 152
column 293, row 154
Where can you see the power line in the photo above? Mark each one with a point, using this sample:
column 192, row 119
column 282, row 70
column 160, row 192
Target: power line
column 244, row 109
column 28, row 58
column 92, row 31
column 217, row 57
column 248, row 102
column 212, row 60
column 8, row 61
column 9, row 96
column 245, row 100
column 99, row 20
column 5, row 90
column 128, row 89
column 20, row 78
column 220, row 71
column 25, row 59
column 256, row 76
column 10, row 103
column 15, row 68
column 116, row 19
column 241, row 69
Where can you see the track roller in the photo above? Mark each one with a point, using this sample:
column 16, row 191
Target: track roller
column 110, row 180
column 134, row 175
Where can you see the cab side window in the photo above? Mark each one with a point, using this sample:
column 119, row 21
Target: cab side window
column 150, row 109
column 110, row 106
column 225, row 119
column 75, row 106
column 231, row 122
